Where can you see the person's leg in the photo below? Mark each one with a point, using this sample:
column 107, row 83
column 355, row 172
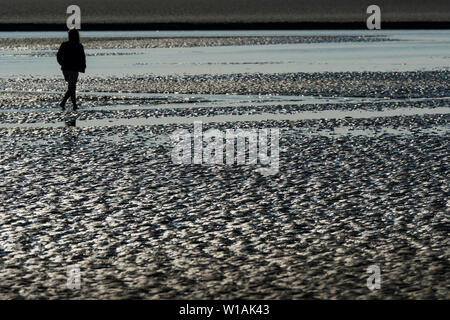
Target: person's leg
column 66, row 97
column 73, row 98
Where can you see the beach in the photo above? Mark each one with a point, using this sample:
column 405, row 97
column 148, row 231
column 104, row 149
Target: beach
column 363, row 176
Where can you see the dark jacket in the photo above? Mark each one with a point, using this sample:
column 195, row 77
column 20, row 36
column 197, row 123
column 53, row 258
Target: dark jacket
column 71, row 57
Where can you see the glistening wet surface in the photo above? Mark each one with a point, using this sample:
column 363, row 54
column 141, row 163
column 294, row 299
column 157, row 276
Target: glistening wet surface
column 110, row 200
column 311, row 115
column 362, row 179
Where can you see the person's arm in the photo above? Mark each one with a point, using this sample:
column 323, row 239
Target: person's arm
column 60, row 55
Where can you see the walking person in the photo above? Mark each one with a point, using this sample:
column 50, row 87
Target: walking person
column 72, row 59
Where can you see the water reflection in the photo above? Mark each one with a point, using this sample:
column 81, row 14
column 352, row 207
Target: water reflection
column 71, row 122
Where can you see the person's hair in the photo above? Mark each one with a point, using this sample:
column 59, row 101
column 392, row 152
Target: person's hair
column 74, row 35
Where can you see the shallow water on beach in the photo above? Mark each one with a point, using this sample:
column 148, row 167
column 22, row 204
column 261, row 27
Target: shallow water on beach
column 179, row 100
column 408, row 50
column 71, row 120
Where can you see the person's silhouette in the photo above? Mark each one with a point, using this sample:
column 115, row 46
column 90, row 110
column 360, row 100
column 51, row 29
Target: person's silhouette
column 72, row 59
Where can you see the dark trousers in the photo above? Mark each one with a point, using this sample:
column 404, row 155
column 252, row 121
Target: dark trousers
column 70, row 93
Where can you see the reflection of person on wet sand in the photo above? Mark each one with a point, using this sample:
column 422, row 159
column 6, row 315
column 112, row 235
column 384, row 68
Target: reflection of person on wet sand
column 72, row 59
column 71, row 122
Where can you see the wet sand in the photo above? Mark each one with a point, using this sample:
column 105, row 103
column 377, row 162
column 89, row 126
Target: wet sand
column 351, row 191
column 414, row 84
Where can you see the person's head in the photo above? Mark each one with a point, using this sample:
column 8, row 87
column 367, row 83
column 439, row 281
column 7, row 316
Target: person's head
column 74, row 36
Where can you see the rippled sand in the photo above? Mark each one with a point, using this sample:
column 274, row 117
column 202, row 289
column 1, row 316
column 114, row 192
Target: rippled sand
column 109, row 198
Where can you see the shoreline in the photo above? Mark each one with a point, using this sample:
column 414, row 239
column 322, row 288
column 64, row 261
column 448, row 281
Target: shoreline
column 181, row 42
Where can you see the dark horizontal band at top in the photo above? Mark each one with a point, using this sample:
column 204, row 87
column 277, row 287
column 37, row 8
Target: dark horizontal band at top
column 224, row 26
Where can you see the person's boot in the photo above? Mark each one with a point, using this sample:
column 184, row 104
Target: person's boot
column 64, row 101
